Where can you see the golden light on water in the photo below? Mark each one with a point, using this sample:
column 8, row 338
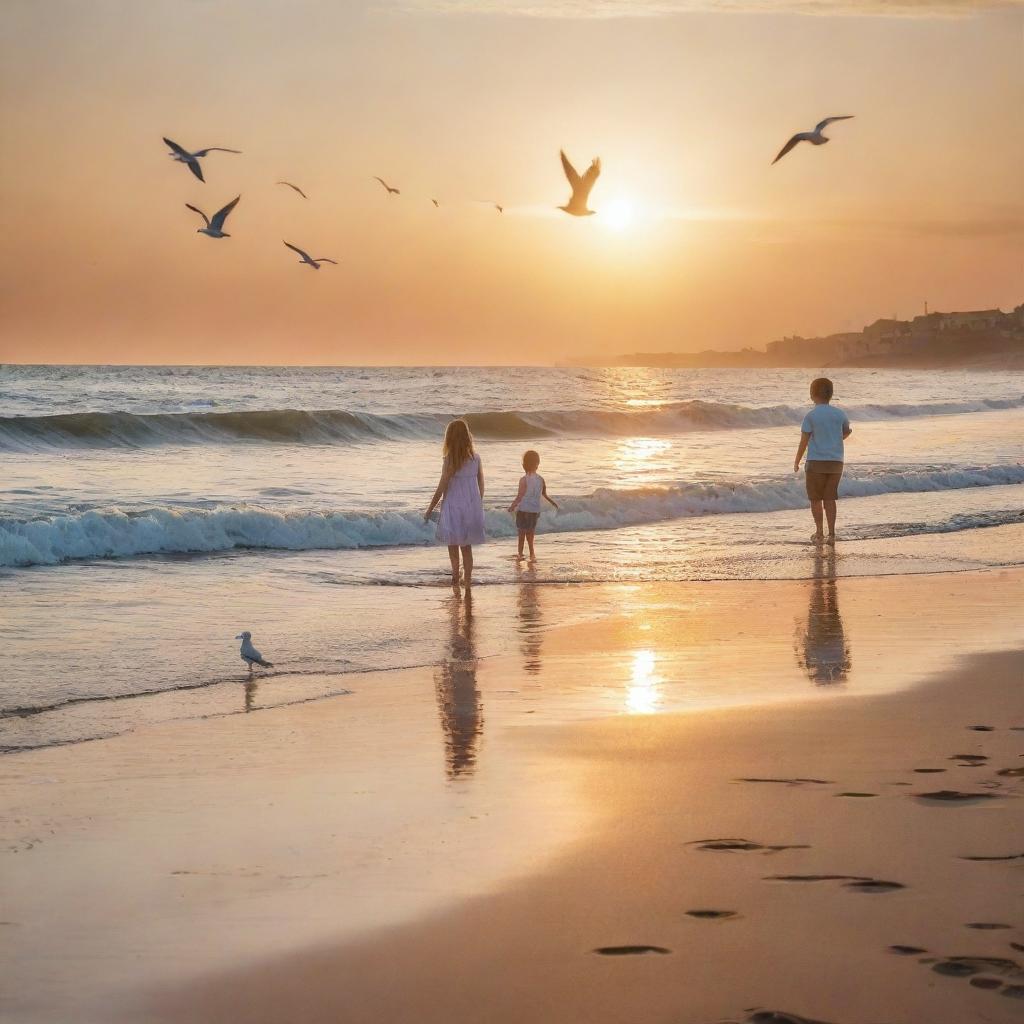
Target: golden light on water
column 643, row 696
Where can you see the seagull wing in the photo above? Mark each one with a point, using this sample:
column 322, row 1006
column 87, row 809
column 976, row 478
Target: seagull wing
column 828, row 120
column 295, row 248
column 200, row 212
column 383, row 182
column 591, row 175
column 296, row 187
column 177, row 149
column 799, row 137
column 570, row 171
column 324, row 259
column 193, row 166
column 222, row 214
column 214, row 149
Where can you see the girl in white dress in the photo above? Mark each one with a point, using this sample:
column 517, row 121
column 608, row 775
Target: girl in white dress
column 461, row 522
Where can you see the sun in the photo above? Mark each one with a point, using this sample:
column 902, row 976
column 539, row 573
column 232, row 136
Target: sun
column 618, row 214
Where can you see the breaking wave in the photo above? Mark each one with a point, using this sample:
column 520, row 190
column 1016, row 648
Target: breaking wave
column 114, row 533
column 335, row 426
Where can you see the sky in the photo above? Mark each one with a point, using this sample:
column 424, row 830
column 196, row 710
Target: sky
column 698, row 241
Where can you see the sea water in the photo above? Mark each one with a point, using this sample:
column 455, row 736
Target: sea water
column 148, row 514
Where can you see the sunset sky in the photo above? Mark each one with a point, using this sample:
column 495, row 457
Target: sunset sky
column 698, row 241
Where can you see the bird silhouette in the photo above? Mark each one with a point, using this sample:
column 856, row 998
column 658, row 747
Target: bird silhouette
column 391, row 191
column 296, row 187
column 815, row 138
column 306, row 258
column 215, row 225
column 435, row 202
column 581, row 186
column 182, row 155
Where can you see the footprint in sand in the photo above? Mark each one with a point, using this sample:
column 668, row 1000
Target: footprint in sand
column 712, row 915
column 986, row 982
column 953, row 796
column 1012, row 773
column 928, row 771
column 997, row 856
column 979, row 971
column 987, row 926
column 856, row 883
column 969, row 760
column 743, row 846
column 982, row 728
column 629, row 950
column 780, row 1017
column 857, row 794
column 907, row 950
column 792, row 782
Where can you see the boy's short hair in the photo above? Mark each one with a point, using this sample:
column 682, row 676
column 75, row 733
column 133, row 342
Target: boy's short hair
column 821, row 389
column 531, row 460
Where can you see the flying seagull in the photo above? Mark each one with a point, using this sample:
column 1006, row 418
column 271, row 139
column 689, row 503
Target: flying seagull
column 182, row 155
column 250, row 655
column 306, row 258
column 296, row 187
column 499, row 207
column 391, row 191
column 435, row 202
column 215, row 227
column 815, row 137
column 581, row 186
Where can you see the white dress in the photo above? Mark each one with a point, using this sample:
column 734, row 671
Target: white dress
column 462, row 511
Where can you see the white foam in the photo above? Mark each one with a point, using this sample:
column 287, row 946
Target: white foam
column 114, row 533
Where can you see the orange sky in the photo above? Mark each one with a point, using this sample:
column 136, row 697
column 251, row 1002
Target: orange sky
column 686, row 101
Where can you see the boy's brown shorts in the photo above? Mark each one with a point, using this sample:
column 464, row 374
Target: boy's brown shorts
column 822, row 479
column 527, row 521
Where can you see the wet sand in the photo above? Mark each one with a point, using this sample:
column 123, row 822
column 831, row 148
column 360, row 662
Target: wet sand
column 854, row 855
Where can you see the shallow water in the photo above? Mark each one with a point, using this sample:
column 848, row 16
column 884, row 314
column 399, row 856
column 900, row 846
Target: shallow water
column 147, row 515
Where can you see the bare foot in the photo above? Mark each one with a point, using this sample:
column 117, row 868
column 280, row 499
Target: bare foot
column 831, row 539
column 817, row 538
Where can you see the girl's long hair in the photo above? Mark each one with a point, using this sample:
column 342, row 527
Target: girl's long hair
column 458, row 444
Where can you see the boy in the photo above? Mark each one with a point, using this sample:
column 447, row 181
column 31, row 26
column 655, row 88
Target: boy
column 823, row 432
column 527, row 504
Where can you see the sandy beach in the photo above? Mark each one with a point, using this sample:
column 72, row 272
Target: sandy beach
column 522, row 837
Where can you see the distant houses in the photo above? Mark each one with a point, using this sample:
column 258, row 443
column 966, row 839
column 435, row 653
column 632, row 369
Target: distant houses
column 942, row 335
column 983, row 338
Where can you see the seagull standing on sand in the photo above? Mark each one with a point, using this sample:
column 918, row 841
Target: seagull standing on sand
column 306, row 258
column 182, row 155
column 581, row 186
column 215, row 227
column 815, row 138
column 296, row 187
column 391, row 191
column 250, row 655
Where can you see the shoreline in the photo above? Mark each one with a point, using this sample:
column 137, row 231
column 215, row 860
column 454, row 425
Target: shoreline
column 202, row 854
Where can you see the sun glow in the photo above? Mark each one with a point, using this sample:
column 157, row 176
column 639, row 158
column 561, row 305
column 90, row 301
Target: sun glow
column 618, row 214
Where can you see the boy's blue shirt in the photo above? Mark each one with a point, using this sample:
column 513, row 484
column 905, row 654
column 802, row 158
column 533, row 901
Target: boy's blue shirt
column 825, row 423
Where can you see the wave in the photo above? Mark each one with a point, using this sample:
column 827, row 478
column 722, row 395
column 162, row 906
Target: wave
column 114, row 533
column 336, row 426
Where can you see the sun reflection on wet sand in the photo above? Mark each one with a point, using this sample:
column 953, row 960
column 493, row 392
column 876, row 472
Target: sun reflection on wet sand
column 643, row 696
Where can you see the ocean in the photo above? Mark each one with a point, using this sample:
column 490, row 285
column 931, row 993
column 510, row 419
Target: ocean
column 148, row 514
